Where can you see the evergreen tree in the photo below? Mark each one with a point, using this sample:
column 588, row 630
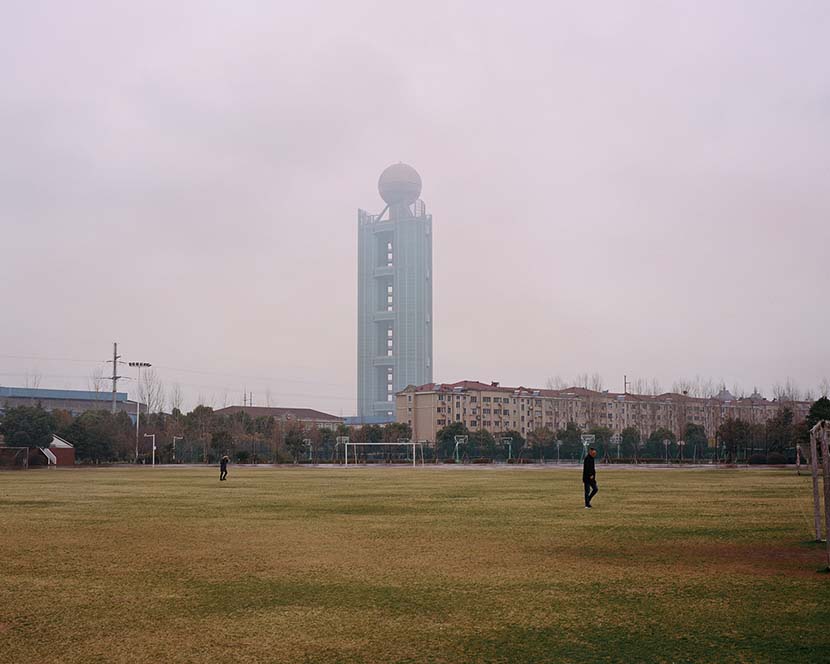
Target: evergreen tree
column 27, row 426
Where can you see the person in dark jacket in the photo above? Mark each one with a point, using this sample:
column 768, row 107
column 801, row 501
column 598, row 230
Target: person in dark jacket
column 223, row 468
column 589, row 477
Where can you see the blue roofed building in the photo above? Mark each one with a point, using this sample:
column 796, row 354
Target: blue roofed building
column 72, row 401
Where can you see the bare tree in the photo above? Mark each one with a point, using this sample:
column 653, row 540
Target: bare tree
column 683, row 386
column 596, row 383
column 176, row 397
column 151, row 391
column 737, row 391
column 640, row 386
column 655, row 387
column 581, row 380
column 824, row 387
column 789, row 391
column 268, row 397
column 695, row 387
column 95, row 380
column 32, row 379
column 555, row 383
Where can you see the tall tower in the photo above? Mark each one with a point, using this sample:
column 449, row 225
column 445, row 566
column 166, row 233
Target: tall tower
column 394, row 293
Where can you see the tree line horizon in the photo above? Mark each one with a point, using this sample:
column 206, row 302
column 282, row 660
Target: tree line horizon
column 204, row 435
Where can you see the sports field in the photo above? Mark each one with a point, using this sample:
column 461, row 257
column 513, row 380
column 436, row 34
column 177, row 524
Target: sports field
column 434, row 564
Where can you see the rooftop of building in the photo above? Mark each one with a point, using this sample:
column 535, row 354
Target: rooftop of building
column 281, row 413
column 67, row 395
column 462, row 386
column 360, row 420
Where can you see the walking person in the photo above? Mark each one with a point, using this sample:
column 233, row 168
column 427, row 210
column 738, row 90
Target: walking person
column 589, row 476
column 223, row 468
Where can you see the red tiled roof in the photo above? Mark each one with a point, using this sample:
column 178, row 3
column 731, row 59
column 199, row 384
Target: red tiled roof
column 567, row 392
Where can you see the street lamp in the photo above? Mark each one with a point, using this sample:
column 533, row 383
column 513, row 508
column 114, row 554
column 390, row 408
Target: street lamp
column 153, row 436
column 175, row 438
column 459, row 440
column 667, row 442
column 558, row 445
column 138, row 365
column 680, row 444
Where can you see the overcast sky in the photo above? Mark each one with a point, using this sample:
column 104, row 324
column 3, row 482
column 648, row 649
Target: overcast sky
column 636, row 188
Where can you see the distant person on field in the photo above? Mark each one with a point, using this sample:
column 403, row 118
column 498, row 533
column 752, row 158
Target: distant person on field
column 223, row 468
column 589, row 477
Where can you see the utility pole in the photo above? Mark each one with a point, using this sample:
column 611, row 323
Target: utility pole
column 115, row 377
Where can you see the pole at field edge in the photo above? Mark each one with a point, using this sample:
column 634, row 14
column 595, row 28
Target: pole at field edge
column 825, row 467
column 814, row 468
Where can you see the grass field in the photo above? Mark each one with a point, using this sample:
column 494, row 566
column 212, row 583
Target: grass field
column 401, row 565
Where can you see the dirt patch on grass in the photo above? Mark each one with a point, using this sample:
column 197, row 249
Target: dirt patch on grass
column 760, row 560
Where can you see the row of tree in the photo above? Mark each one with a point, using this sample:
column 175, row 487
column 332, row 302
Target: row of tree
column 736, row 439
column 203, row 435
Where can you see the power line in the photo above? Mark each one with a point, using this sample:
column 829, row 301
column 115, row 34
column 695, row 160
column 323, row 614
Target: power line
column 205, row 386
column 181, row 369
column 48, row 359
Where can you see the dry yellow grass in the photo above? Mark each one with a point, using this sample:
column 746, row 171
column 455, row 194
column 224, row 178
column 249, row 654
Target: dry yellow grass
column 402, row 565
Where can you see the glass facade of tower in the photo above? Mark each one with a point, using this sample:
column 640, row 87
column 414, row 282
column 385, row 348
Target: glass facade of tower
column 394, row 302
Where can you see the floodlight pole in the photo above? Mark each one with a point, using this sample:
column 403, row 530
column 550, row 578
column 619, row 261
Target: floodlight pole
column 153, row 436
column 175, row 438
column 138, row 365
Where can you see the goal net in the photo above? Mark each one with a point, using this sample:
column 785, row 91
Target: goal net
column 14, row 458
column 403, row 451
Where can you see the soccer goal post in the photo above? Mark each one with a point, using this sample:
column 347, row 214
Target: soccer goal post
column 406, row 444
column 14, row 458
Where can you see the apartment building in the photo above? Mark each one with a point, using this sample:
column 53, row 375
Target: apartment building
column 494, row 408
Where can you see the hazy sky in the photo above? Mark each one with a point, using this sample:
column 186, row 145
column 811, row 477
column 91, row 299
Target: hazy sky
column 636, row 188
